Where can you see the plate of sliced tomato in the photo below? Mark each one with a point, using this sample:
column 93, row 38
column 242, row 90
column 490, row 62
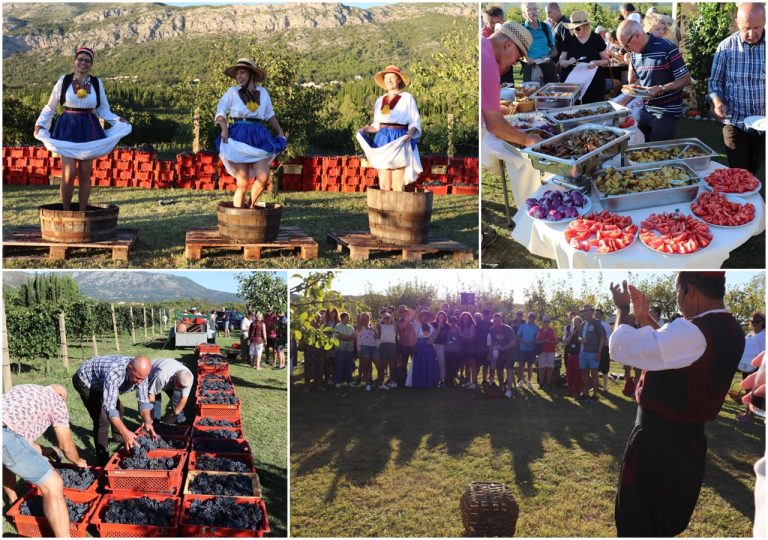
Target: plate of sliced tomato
column 601, row 232
column 733, row 181
column 721, row 210
column 679, row 234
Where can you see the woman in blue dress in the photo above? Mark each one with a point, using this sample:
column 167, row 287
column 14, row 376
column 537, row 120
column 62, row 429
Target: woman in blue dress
column 423, row 372
column 246, row 146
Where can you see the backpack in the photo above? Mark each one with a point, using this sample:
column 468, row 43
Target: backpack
column 68, row 80
column 547, row 32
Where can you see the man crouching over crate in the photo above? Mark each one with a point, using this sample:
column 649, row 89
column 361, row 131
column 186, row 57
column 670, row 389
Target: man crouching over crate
column 176, row 380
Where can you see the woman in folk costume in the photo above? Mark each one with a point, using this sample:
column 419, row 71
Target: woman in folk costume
column 78, row 136
column 246, row 146
column 396, row 126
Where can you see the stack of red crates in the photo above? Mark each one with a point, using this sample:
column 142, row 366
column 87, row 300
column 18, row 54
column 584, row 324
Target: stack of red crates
column 165, row 173
column 103, row 170
column 206, row 170
column 144, row 169
column 186, row 170
column 38, row 169
column 122, row 168
column 15, row 165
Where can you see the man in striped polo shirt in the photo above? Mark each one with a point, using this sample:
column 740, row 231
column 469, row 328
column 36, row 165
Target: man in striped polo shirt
column 737, row 87
column 657, row 66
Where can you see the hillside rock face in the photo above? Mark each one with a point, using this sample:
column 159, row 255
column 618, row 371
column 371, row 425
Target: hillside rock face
column 62, row 29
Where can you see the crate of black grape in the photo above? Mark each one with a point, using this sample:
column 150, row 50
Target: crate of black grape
column 156, row 471
column 137, row 515
column 232, row 517
column 29, row 519
column 205, row 367
column 223, row 484
column 220, row 406
column 221, row 461
column 217, row 432
column 204, row 421
column 85, row 480
column 166, row 430
column 166, row 440
column 221, row 445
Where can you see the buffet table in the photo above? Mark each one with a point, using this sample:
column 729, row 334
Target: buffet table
column 546, row 239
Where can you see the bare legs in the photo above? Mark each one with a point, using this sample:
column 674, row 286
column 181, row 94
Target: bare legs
column 71, row 169
column 391, row 179
column 242, row 175
column 54, row 506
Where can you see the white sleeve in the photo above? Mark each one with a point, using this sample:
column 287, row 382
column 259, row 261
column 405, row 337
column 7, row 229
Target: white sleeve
column 488, row 340
column 103, row 110
column 46, row 115
column 673, row 346
column 414, row 119
column 376, row 108
column 266, row 102
column 224, row 104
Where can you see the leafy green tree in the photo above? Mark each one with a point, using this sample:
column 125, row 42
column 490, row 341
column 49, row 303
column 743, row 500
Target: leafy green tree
column 262, row 290
column 742, row 301
column 18, row 122
column 50, row 289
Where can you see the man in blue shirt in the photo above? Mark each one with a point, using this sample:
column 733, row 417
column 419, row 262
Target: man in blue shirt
column 526, row 335
column 542, row 47
column 737, row 87
column 655, row 65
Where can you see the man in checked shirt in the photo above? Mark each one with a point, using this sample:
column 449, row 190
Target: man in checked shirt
column 100, row 381
column 737, row 87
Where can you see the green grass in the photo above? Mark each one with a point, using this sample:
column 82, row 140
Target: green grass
column 264, row 413
column 499, row 250
column 396, row 463
column 162, row 229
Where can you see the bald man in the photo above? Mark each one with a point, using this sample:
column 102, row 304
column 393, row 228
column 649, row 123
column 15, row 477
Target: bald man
column 28, row 411
column 657, row 66
column 737, row 87
column 175, row 379
column 100, row 381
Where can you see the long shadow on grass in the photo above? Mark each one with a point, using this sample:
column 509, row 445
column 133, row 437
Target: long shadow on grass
column 238, row 381
column 357, row 434
column 274, row 483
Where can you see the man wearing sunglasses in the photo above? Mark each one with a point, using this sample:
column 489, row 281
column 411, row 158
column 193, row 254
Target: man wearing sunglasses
column 656, row 67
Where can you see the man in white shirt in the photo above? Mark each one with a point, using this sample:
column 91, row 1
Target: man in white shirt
column 688, row 366
column 175, row 379
column 244, row 345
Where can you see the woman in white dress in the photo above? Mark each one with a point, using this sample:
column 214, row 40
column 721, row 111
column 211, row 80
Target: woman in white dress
column 78, row 136
column 396, row 129
column 246, row 147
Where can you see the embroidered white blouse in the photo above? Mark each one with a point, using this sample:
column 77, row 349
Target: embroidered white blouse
column 232, row 104
column 420, row 333
column 71, row 100
column 404, row 112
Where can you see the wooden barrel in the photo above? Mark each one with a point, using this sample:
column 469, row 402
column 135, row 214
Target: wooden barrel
column 99, row 222
column 250, row 225
column 399, row 217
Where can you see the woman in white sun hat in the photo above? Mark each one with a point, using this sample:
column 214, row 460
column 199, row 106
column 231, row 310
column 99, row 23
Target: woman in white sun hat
column 78, row 136
column 246, row 146
column 396, row 126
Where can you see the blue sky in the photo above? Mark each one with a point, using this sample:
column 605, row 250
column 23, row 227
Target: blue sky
column 218, row 280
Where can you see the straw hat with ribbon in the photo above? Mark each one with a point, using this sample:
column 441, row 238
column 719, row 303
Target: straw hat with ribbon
column 250, row 65
column 379, row 77
column 519, row 35
column 578, row 18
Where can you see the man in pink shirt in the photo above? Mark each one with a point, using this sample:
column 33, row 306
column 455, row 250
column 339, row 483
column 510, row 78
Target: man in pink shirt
column 498, row 54
column 28, row 411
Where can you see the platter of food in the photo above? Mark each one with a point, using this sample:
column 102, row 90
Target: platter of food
column 734, row 181
column 678, row 233
column 558, row 206
column 601, row 232
column 721, row 210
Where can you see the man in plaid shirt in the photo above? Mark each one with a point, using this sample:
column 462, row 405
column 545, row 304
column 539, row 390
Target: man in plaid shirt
column 737, row 87
column 100, row 381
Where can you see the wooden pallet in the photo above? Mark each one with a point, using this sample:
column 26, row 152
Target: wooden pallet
column 29, row 236
column 287, row 238
column 362, row 243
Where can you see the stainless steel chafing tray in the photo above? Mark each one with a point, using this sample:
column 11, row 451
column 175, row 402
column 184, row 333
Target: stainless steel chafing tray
column 647, row 199
column 616, row 115
column 698, row 162
column 556, row 95
column 583, row 164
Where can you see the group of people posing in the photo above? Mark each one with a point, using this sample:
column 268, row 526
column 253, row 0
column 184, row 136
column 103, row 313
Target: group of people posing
column 260, row 334
column 251, row 135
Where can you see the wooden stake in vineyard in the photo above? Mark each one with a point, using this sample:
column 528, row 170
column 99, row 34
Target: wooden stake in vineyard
column 114, row 328
column 7, row 381
column 144, row 310
column 133, row 326
column 63, row 348
column 152, row 316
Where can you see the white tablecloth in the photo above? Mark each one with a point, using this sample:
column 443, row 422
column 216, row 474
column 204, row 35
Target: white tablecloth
column 547, row 239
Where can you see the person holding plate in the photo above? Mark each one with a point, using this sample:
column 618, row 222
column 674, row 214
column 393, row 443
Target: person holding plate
column 737, row 88
column 78, row 136
column 657, row 73
column 396, row 129
column 581, row 45
column 246, row 147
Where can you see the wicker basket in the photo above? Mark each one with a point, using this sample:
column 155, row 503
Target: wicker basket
column 489, row 509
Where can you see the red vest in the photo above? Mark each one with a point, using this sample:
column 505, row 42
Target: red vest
column 696, row 393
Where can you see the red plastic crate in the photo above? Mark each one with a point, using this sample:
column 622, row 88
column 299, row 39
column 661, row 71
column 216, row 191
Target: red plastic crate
column 39, row 152
column 98, row 471
column 207, row 348
column 144, row 157
column 214, row 410
column 146, row 481
column 167, row 431
column 464, row 190
column 245, row 457
column 201, row 432
column 238, row 446
column 186, row 529
column 438, row 190
column 204, row 368
column 196, row 422
column 37, row 527
column 119, row 530
column 124, row 155
column 206, row 158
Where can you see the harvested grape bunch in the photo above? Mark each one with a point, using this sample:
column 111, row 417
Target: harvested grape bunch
column 213, row 422
column 577, row 144
column 213, row 358
column 139, row 460
column 208, row 463
column 218, row 484
column 217, row 398
column 34, row 507
column 143, row 511
column 77, row 478
column 146, row 442
column 217, row 434
column 217, row 385
column 223, row 512
column 217, row 445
